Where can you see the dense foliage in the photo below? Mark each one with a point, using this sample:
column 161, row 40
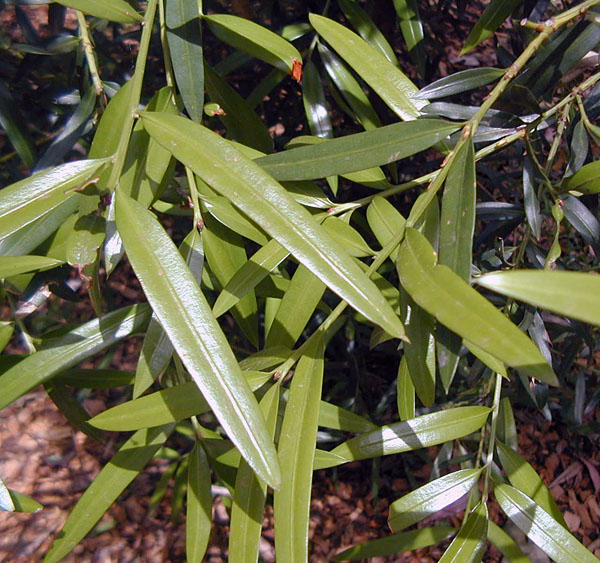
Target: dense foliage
column 443, row 235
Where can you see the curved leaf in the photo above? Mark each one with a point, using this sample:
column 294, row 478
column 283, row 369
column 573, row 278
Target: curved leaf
column 387, row 80
column 198, row 521
column 195, row 334
column 257, row 41
column 431, row 498
column 112, row 480
column 67, row 351
column 398, row 543
column 506, row 544
column 458, row 306
column 420, row 432
column 15, row 265
column 262, row 199
column 111, row 10
column 469, row 544
column 572, row 294
column 459, row 82
column 356, row 152
column 13, row 124
column 540, row 527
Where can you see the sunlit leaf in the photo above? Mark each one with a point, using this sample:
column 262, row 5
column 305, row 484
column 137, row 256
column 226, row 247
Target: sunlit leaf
column 431, row 498
column 112, row 10
column 469, row 544
column 198, row 521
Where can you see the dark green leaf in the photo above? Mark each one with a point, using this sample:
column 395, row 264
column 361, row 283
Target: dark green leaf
column 459, row 82
column 198, row 519
column 14, row 125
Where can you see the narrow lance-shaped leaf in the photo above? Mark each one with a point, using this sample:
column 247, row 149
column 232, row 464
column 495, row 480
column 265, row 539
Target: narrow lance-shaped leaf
column 14, row 126
column 385, row 78
column 112, row 480
column 457, row 224
column 540, row 527
column 572, row 294
column 257, row 41
column 506, row 544
column 356, row 152
column 469, row 544
column 198, row 521
column 459, row 82
column 493, row 16
column 458, row 306
column 405, row 392
column 367, row 29
column 186, row 317
column 431, row 498
column 250, row 494
column 71, row 349
column 184, row 34
column 15, row 265
column 265, row 201
column 26, row 201
column 351, row 90
column 111, row 10
column 420, row 432
column 297, row 445
column 525, row 478
column 412, row 31
column 315, row 106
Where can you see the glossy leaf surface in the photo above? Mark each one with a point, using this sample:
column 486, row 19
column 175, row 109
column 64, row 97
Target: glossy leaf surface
column 112, row 10
column 262, row 199
column 420, row 432
column 198, row 517
column 458, row 306
column 186, row 317
column 431, row 498
column 469, row 544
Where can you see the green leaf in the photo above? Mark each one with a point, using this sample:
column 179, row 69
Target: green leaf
column 296, row 308
column 398, row 543
column 26, row 201
column 384, row 77
column 586, row 180
column 250, row 275
column 458, row 306
column 15, row 265
column 385, row 222
column 14, row 125
column 525, row 478
column 23, row 503
column 184, row 35
column 266, row 202
column 257, row 41
column 540, row 527
column 325, row 459
column 239, row 118
column 348, row 236
column 198, row 521
column 112, row 480
column 420, row 432
column 315, row 105
column 507, row 545
column 249, row 496
column 83, row 244
column 297, row 444
column 351, row 90
column 493, row 16
column 6, row 502
column 571, row 294
column 507, row 429
column 431, row 498
column 69, row 350
column 459, row 82
column 412, row 31
column 367, row 29
column 226, row 254
column 6, row 331
column 356, row 152
column 469, row 544
column 405, row 392
column 95, row 378
column 195, row 334
column 111, row 10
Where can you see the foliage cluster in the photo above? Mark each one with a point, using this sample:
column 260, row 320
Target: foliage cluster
column 443, row 232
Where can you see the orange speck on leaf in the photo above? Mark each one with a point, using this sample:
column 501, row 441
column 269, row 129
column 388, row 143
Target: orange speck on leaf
column 297, row 70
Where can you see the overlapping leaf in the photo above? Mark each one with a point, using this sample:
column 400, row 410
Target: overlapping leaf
column 187, row 319
column 265, row 201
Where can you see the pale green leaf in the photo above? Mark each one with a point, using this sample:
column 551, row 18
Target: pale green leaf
column 15, row 265
column 431, row 498
column 198, row 520
column 469, row 544
column 540, row 527
column 458, row 306
column 420, row 432
column 195, row 334
column 111, row 10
